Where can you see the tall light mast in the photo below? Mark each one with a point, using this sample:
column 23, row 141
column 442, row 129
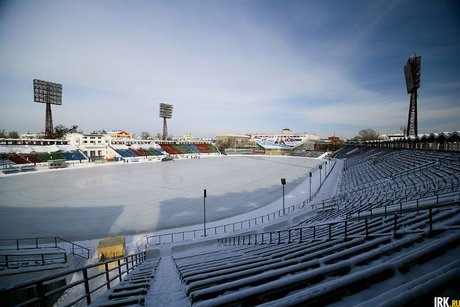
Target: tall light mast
column 49, row 93
column 412, row 74
column 165, row 113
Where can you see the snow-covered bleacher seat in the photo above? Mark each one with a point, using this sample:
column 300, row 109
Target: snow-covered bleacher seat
column 292, row 271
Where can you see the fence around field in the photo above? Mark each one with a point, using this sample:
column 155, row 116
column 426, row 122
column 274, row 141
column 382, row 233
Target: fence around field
column 143, row 243
column 86, row 283
column 218, row 230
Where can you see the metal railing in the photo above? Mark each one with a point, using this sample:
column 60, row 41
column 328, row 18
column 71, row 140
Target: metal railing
column 335, row 202
column 331, row 230
column 416, row 169
column 434, row 201
column 227, row 228
column 45, row 242
column 85, row 282
column 217, row 230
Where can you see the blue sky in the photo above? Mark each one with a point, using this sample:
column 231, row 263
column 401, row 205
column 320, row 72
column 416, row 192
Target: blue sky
column 323, row 67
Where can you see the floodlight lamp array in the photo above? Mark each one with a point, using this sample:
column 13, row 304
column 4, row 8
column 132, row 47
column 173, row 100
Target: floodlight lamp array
column 412, row 73
column 166, row 110
column 47, row 92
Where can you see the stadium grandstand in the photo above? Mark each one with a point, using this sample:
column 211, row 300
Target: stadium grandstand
column 84, row 148
column 21, row 155
column 389, row 235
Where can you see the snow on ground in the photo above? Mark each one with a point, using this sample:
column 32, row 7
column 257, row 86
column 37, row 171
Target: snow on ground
column 85, row 204
column 167, row 289
column 135, row 198
column 296, row 196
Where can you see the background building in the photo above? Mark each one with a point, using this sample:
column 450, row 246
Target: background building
column 94, row 146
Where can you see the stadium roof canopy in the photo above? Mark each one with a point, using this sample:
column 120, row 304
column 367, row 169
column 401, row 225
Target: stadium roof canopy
column 440, row 141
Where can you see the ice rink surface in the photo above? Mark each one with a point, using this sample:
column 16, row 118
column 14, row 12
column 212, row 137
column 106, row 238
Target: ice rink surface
column 123, row 199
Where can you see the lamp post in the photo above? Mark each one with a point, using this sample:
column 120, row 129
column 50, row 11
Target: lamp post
column 310, row 186
column 283, row 182
column 204, row 212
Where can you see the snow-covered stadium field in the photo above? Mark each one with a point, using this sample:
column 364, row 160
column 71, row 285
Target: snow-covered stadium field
column 89, row 203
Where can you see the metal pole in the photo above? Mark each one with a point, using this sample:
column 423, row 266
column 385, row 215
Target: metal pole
column 204, row 212
column 310, row 185
column 431, row 220
column 41, row 293
column 107, row 277
column 283, row 201
column 320, row 167
column 86, row 283
column 165, row 129
column 283, row 182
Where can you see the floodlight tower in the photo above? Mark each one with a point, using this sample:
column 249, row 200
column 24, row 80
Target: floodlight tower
column 412, row 73
column 49, row 93
column 165, row 113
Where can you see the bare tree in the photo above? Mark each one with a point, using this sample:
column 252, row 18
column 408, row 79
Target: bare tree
column 367, row 134
column 3, row 134
column 61, row 130
column 228, row 143
column 13, row 135
column 145, row 135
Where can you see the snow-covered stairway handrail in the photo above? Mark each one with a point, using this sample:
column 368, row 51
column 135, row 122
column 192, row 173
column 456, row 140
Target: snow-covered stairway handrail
column 134, row 287
column 87, row 280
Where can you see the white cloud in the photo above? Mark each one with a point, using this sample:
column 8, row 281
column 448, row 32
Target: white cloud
column 223, row 66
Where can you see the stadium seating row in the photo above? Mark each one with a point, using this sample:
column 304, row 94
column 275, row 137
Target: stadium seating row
column 40, row 157
column 169, row 148
column 179, row 149
column 123, row 151
column 138, row 152
column 255, row 274
column 378, row 178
